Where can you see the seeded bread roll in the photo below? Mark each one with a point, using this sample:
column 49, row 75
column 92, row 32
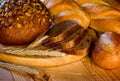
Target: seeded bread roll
column 22, row 21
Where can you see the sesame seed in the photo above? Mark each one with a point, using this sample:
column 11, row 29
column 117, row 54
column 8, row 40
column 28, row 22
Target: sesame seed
column 50, row 20
column 17, row 18
column 10, row 27
column 27, row 14
column 43, row 20
column 43, row 12
column 19, row 25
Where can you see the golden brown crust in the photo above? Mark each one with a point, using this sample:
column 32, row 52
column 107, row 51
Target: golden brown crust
column 106, row 52
column 63, row 10
column 106, row 25
column 100, row 11
column 80, row 2
column 104, row 18
column 26, row 22
column 114, row 3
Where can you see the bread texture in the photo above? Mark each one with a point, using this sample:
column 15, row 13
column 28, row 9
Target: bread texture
column 71, row 42
column 114, row 3
column 106, row 52
column 64, row 10
column 104, row 18
column 23, row 21
column 61, row 31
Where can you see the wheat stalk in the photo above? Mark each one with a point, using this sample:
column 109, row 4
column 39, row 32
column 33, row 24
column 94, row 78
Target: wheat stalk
column 20, row 68
column 34, row 52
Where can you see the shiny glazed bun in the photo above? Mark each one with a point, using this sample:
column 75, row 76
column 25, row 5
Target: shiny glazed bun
column 21, row 21
column 106, row 52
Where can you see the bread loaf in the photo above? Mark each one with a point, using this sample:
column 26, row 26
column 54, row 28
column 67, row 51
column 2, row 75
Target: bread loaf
column 21, row 22
column 104, row 18
column 101, row 11
column 106, row 25
column 64, row 10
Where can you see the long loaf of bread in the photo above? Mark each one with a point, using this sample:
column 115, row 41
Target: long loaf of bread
column 63, row 10
column 103, row 17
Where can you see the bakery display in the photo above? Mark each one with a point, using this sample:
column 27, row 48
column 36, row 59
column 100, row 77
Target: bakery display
column 50, row 33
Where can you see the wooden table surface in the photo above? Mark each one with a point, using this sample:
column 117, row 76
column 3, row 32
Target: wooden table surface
column 83, row 70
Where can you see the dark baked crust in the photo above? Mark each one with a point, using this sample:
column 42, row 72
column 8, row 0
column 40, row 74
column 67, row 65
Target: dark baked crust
column 22, row 21
column 75, row 42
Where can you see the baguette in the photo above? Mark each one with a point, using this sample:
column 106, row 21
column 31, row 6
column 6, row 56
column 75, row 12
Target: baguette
column 104, row 18
column 63, row 10
column 114, row 3
column 80, row 2
column 100, row 11
column 106, row 25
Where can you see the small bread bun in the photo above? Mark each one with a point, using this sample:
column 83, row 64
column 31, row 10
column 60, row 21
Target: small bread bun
column 106, row 52
column 22, row 21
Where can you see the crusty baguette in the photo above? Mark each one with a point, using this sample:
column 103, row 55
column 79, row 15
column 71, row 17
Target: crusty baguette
column 80, row 2
column 106, row 25
column 100, row 11
column 104, row 18
column 63, row 10
column 114, row 3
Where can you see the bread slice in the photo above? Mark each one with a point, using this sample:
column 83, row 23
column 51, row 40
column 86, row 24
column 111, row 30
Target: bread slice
column 78, row 42
column 68, row 42
column 81, row 48
column 61, row 31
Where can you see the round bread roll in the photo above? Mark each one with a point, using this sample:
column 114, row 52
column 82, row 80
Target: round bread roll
column 106, row 52
column 22, row 21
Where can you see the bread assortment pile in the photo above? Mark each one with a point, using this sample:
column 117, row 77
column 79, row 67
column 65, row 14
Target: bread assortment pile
column 46, row 28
